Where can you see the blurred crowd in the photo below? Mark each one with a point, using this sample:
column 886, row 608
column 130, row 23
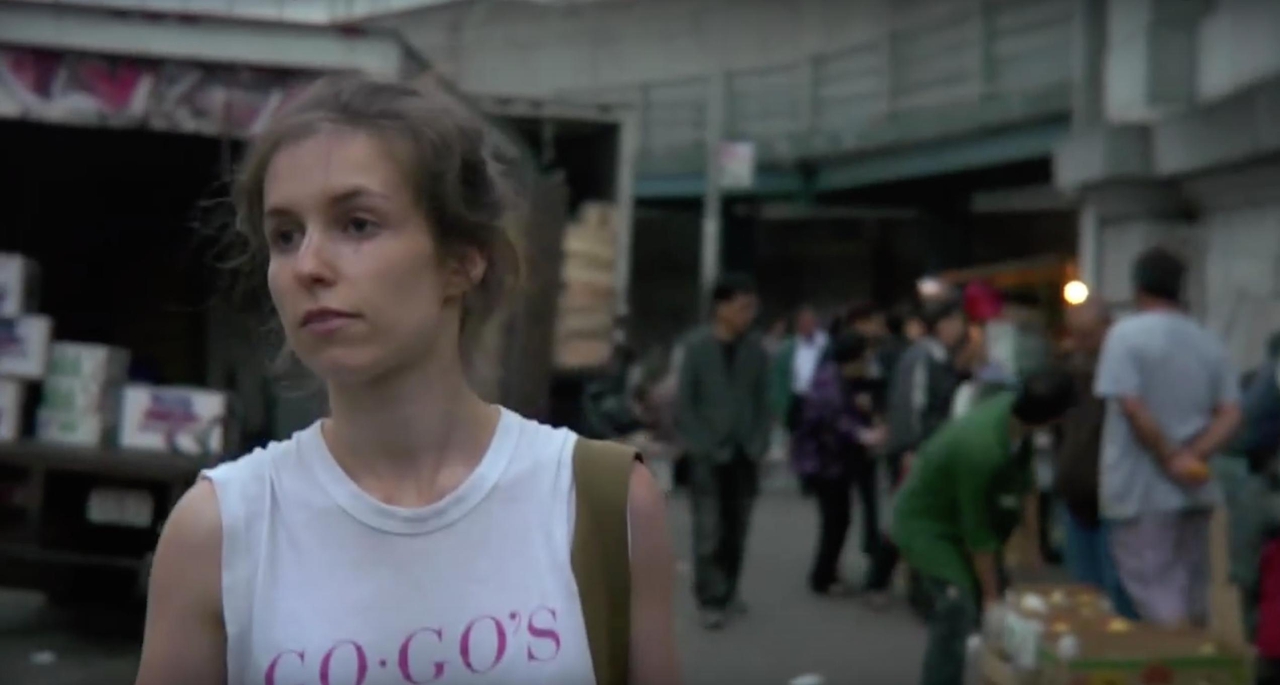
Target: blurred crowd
column 906, row 414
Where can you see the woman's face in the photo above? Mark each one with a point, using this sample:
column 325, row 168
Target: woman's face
column 354, row 272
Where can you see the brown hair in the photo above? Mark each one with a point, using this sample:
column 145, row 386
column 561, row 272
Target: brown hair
column 446, row 152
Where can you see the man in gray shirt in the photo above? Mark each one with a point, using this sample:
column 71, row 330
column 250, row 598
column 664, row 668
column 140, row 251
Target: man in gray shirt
column 1172, row 404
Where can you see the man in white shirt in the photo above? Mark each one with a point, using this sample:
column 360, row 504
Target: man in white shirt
column 795, row 365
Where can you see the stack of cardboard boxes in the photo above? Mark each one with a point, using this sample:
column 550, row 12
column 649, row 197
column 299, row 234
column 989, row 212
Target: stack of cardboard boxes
column 80, row 398
column 24, row 339
column 86, row 399
column 585, row 312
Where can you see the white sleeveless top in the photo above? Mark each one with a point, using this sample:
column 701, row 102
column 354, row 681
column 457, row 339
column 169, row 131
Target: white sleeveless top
column 324, row 585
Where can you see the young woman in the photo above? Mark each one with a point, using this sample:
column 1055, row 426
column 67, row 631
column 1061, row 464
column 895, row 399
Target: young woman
column 830, row 451
column 418, row 533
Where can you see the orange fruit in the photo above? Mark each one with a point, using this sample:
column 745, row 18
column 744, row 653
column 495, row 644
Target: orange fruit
column 1196, row 471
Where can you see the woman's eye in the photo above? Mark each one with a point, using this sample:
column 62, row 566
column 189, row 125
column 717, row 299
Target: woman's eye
column 283, row 238
column 360, row 225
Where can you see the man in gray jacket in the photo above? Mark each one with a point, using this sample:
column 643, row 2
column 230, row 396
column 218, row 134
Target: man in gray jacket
column 920, row 392
column 723, row 420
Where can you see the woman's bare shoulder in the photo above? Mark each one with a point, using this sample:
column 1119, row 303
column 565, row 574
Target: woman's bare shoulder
column 189, row 553
column 196, row 518
column 185, row 638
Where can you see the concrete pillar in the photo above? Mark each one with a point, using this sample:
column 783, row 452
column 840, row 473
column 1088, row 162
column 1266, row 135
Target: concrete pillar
column 1150, row 64
column 1089, row 55
column 712, row 198
column 1119, row 220
column 624, row 193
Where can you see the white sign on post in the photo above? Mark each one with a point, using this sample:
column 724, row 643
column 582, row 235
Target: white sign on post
column 737, row 165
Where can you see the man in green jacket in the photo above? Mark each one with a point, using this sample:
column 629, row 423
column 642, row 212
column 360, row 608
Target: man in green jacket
column 962, row 501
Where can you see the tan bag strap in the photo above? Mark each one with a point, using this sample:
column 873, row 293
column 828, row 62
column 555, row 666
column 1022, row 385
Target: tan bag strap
column 601, row 553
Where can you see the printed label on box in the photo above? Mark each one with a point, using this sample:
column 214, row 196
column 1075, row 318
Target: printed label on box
column 187, row 420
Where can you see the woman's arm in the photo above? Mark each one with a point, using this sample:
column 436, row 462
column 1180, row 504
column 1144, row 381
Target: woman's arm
column 653, row 646
column 185, row 640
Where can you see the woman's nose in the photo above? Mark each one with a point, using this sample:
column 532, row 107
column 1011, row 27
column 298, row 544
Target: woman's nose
column 313, row 263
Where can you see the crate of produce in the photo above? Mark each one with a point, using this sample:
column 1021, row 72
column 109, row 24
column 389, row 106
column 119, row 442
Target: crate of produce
column 1142, row 654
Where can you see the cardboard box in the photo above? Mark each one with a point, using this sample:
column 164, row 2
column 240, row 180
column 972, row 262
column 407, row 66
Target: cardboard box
column 76, row 429
column 996, row 670
column 12, row 396
column 597, row 247
column 583, row 353
column 19, row 285
column 1146, row 655
column 70, row 395
column 597, row 215
column 24, row 346
column 173, row 419
column 1226, row 613
column 584, row 323
column 90, row 363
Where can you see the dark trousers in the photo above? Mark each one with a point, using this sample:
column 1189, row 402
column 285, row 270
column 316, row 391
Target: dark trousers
column 869, row 501
column 883, row 564
column 722, row 496
column 834, row 516
column 884, row 558
column 954, row 617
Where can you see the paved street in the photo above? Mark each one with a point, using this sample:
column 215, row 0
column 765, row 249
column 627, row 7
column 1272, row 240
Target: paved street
column 787, row 634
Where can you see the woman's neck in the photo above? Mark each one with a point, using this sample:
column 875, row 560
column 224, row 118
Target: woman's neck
column 412, row 437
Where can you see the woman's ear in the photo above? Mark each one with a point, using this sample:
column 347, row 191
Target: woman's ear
column 465, row 272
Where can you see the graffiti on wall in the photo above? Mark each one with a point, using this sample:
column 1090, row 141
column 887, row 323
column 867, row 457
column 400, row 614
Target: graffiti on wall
column 182, row 97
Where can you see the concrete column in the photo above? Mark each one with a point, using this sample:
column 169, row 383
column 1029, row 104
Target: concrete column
column 1150, row 63
column 1089, row 51
column 1087, row 239
column 628, row 151
column 712, row 198
column 1119, row 220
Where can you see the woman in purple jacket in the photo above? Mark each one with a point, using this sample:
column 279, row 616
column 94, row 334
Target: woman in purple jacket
column 830, row 445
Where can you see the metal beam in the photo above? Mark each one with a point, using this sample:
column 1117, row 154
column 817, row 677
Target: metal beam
column 206, row 40
column 1026, row 199
column 785, row 211
column 920, row 160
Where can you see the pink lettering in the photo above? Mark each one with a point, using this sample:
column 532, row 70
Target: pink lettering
column 499, row 651
column 543, row 633
column 362, row 663
column 406, row 671
column 270, row 677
